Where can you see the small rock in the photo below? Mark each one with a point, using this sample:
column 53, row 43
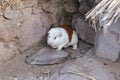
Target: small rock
column 84, row 31
column 55, row 10
column 108, row 45
column 71, row 6
column 12, row 14
column 33, row 30
column 86, row 5
column 47, row 56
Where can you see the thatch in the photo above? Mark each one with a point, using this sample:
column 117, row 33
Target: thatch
column 105, row 13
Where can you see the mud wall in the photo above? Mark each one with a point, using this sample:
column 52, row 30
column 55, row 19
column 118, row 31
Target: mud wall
column 24, row 23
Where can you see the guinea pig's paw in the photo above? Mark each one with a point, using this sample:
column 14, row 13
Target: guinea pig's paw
column 74, row 47
column 59, row 48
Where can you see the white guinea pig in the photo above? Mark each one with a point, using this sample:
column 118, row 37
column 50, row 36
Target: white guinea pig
column 62, row 37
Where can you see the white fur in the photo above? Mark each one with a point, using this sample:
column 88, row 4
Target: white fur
column 58, row 38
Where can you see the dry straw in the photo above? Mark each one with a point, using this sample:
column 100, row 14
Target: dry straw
column 105, row 13
column 82, row 74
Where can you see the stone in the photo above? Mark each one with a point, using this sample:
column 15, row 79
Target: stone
column 86, row 5
column 71, row 6
column 45, row 21
column 12, row 14
column 49, row 7
column 47, row 56
column 33, row 30
column 84, row 31
column 56, row 18
column 107, row 45
column 54, row 10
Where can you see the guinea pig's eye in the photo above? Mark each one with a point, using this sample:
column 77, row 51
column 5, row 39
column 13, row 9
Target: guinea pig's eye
column 54, row 37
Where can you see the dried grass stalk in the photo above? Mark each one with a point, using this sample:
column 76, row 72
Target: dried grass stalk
column 82, row 74
column 105, row 13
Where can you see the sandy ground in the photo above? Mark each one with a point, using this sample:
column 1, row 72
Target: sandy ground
column 17, row 69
